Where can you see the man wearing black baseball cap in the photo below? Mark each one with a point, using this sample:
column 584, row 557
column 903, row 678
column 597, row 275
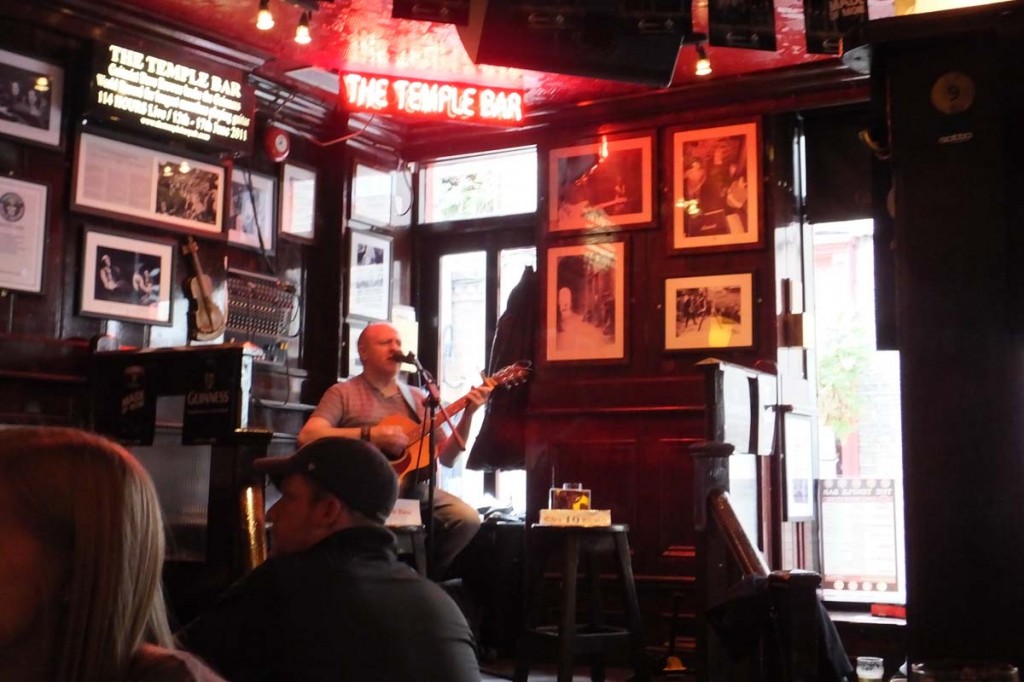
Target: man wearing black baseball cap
column 333, row 602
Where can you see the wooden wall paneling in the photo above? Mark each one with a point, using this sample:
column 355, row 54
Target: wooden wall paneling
column 325, row 273
column 957, row 292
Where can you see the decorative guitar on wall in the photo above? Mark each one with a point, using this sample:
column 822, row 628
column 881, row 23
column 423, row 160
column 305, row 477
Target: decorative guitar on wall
column 416, row 455
column 207, row 318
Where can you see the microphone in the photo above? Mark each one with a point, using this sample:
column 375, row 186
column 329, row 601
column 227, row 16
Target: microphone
column 398, row 356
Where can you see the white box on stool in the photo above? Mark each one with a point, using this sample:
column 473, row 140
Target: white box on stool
column 576, row 517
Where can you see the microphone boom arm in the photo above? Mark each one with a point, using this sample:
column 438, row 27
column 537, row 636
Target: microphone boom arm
column 432, row 391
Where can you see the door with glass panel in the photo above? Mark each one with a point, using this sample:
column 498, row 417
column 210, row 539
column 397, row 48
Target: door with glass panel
column 466, row 301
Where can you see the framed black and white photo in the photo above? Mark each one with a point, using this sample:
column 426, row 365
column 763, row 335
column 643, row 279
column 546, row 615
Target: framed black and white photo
column 23, row 220
column 252, row 210
column 586, row 302
column 371, row 195
column 126, row 277
column 799, row 455
column 31, row 95
column 369, row 275
column 298, row 201
column 716, row 178
column 714, row 311
column 144, row 185
column 600, row 186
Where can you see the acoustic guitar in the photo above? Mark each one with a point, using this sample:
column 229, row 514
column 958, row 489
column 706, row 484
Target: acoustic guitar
column 208, row 320
column 416, row 455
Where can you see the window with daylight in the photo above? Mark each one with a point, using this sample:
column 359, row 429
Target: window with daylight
column 860, row 456
column 464, row 300
column 481, row 186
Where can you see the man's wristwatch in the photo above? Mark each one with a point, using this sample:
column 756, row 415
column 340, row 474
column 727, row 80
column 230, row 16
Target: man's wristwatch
column 364, row 433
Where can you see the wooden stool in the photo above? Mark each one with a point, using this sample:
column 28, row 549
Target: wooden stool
column 570, row 638
column 411, row 545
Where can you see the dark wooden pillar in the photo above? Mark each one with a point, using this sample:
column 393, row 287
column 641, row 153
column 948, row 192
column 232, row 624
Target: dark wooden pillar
column 954, row 91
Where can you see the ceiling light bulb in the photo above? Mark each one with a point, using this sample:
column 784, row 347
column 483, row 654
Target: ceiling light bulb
column 264, row 20
column 703, row 67
column 184, row 167
column 302, row 36
column 42, row 84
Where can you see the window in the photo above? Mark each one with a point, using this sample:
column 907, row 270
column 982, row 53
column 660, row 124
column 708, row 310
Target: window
column 462, row 344
column 860, row 443
column 483, row 186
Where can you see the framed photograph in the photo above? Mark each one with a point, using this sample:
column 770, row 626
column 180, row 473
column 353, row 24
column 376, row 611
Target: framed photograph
column 31, row 94
column 716, row 180
column 252, row 211
column 799, row 455
column 354, row 329
column 601, row 186
column 23, row 220
column 127, row 277
column 371, row 195
column 369, row 275
column 298, row 201
column 586, row 301
column 715, row 311
column 148, row 186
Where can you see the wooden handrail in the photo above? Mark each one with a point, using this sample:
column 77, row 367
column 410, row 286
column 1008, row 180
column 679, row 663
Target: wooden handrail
column 743, row 551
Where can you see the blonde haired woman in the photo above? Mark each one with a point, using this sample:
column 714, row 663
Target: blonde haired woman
column 81, row 551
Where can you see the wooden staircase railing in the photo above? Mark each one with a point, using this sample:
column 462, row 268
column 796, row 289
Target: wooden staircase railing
column 788, row 649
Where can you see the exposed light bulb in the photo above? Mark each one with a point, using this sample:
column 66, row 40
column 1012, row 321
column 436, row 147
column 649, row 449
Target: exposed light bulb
column 264, row 19
column 184, row 167
column 42, row 84
column 703, row 67
column 302, row 36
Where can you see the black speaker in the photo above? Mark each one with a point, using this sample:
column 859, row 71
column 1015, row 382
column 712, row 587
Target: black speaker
column 627, row 41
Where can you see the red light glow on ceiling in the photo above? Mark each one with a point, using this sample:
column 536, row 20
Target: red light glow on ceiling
column 361, row 36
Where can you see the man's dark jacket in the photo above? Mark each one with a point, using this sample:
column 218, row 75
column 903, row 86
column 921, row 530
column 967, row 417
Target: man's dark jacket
column 345, row 609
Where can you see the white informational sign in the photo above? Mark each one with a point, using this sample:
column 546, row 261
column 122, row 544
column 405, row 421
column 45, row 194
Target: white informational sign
column 860, row 557
column 405, row 513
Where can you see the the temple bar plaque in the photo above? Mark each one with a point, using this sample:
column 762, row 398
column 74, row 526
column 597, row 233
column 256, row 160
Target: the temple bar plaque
column 157, row 91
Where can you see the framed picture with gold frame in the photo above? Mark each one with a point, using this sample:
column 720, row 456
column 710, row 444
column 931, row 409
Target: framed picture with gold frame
column 602, row 185
column 709, row 311
column 586, row 302
column 716, row 180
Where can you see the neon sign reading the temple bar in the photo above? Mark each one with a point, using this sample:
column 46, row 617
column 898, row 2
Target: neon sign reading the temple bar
column 431, row 99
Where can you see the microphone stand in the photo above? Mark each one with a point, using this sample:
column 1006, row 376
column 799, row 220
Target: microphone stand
column 433, row 404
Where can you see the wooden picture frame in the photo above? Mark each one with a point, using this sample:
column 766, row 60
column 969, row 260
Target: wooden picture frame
column 799, row 454
column 31, row 99
column 125, row 277
column 716, row 182
column 252, row 210
column 150, row 186
column 372, row 190
column 298, row 202
column 24, row 216
column 369, row 275
column 601, row 186
column 586, row 302
column 709, row 311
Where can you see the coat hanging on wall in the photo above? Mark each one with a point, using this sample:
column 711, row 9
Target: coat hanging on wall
column 500, row 444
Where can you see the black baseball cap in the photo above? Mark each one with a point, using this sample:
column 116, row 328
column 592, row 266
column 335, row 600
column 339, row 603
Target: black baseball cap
column 354, row 471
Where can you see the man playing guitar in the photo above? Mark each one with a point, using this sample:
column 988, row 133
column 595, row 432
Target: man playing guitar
column 355, row 409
